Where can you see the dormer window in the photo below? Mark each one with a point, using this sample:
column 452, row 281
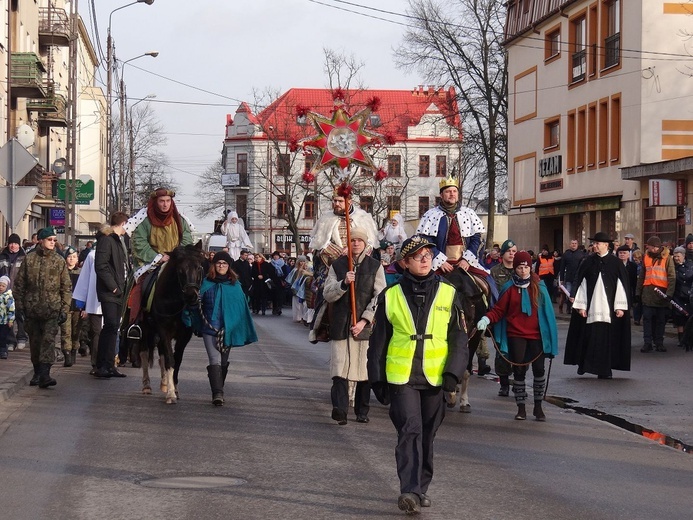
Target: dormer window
column 374, row 120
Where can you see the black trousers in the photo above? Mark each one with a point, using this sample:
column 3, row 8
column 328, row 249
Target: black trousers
column 105, row 356
column 416, row 414
column 340, row 396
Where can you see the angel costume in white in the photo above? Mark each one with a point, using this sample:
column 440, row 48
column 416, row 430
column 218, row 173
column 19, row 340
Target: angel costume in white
column 394, row 233
column 236, row 237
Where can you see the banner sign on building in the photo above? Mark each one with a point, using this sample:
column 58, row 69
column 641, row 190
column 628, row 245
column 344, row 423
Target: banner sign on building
column 666, row 192
column 56, row 216
column 550, row 166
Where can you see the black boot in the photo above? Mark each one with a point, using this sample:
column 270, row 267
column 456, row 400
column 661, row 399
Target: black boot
column 45, row 379
column 35, row 379
column 224, row 371
column 483, row 367
column 67, row 354
column 73, row 356
column 521, row 414
column 538, row 412
column 504, row 386
column 216, row 384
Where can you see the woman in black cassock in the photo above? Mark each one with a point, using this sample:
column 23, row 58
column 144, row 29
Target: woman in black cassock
column 599, row 334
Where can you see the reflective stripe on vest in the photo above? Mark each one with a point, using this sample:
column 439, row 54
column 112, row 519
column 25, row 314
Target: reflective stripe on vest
column 545, row 266
column 400, row 352
column 655, row 273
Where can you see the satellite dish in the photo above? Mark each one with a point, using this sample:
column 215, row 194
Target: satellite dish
column 26, row 135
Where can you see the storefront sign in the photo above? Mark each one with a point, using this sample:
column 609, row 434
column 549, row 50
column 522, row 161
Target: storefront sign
column 56, row 216
column 284, row 239
column 556, row 184
column 550, row 166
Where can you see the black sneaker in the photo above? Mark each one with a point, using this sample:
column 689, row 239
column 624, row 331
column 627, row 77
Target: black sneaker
column 660, row 348
column 362, row 418
column 647, row 347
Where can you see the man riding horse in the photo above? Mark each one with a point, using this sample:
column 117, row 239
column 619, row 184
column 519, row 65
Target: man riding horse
column 456, row 232
column 155, row 231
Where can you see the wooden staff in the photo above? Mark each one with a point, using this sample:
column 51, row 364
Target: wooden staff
column 352, row 288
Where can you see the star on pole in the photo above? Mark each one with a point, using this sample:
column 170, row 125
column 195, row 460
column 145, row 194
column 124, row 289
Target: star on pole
column 341, row 140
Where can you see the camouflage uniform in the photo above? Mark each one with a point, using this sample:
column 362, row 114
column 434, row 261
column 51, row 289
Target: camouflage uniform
column 42, row 290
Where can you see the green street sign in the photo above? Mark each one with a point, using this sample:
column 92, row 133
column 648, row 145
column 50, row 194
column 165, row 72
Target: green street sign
column 84, row 191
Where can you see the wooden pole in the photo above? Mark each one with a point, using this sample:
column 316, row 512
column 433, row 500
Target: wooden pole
column 352, row 288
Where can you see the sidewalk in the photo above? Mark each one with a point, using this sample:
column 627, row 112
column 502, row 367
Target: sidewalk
column 15, row 372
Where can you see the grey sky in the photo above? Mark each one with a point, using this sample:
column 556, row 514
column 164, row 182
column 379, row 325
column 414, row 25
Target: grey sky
column 229, row 48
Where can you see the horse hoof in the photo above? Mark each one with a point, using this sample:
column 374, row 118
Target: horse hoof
column 147, row 390
column 170, row 400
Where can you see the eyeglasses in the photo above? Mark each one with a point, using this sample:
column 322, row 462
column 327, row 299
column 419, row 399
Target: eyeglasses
column 51, row 239
column 421, row 257
column 221, row 262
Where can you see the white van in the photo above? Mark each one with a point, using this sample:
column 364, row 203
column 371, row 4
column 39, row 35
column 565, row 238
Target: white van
column 216, row 243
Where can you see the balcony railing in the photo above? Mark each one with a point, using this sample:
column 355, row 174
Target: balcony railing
column 579, row 65
column 51, row 110
column 54, row 26
column 612, row 50
column 27, row 75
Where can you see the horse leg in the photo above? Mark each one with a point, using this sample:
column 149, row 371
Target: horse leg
column 164, row 380
column 181, row 342
column 465, row 407
column 171, row 397
column 146, row 382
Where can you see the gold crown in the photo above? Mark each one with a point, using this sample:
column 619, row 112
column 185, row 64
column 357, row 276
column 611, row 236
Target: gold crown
column 448, row 182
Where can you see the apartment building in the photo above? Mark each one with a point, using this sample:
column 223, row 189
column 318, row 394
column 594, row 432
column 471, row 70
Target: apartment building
column 599, row 138
column 37, row 34
column 264, row 166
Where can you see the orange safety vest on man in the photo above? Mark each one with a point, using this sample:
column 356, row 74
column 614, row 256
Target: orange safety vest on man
column 655, row 272
column 545, row 266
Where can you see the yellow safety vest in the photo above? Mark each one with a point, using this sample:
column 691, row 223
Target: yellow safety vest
column 400, row 352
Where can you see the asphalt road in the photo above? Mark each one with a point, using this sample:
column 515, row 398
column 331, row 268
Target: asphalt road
column 91, row 449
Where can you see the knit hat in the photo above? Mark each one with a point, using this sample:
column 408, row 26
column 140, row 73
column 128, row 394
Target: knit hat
column 680, row 249
column 14, row 239
column 654, row 241
column 359, row 233
column 46, row 233
column 222, row 256
column 506, row 245
column 623, row 248
column 522, row 258
column 5, row 280
column 689, row 238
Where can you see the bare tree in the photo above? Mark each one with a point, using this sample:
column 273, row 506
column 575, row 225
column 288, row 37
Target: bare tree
column 460, row 41
column 151, row 176
column 210, row 191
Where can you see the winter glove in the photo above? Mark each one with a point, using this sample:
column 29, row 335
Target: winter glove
column 62, row 318
column 449, row 382
column 382, row 392
column 482, row 324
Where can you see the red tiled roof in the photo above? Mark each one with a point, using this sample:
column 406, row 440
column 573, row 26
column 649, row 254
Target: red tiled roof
column 399, row 109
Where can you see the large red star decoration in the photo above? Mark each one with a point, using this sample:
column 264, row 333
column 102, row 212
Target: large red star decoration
column 341, row 140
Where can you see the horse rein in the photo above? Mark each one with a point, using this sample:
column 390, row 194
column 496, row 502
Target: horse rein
column 495, row 345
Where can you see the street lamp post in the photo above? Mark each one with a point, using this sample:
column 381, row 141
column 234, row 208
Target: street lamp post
column 109, row 102
column 121, row 150
column 132, row 151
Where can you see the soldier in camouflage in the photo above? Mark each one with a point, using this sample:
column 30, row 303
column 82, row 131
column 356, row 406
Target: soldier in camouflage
column 43, row 292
